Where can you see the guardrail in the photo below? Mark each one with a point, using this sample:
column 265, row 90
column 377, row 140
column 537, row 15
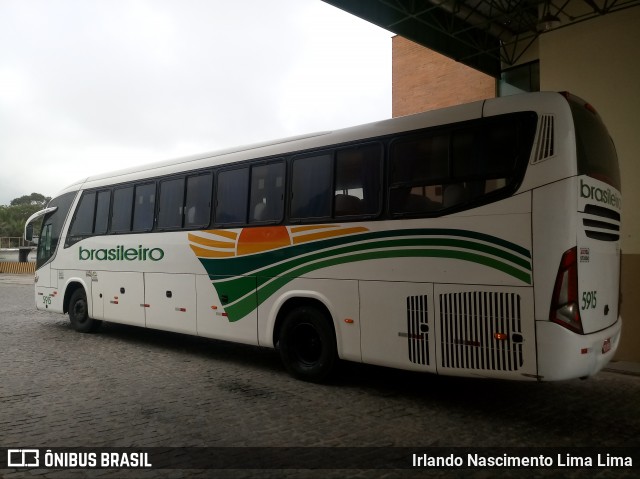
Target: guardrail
column 14, row 249
column 13, row 242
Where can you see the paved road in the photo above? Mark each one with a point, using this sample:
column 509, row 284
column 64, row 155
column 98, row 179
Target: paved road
column 127, row 386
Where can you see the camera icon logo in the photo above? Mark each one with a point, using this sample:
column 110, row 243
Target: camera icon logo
column 23, row 458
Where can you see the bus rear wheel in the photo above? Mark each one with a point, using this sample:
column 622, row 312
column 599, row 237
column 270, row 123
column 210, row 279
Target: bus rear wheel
column 308, row 344
column 79, row 313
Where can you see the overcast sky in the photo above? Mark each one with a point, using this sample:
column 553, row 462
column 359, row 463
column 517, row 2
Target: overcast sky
column 88, row 86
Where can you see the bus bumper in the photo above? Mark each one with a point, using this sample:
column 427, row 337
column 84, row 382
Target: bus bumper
column 563, row 354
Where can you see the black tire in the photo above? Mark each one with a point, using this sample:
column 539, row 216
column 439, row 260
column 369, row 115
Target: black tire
column 79, row 313
column 308, row 344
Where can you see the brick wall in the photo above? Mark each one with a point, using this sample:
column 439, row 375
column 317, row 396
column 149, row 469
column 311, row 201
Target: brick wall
column 425, row 80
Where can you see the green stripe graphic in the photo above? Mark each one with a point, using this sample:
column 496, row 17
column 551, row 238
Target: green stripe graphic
column 238, row 277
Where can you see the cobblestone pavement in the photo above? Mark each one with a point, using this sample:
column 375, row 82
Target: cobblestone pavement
column 128, row 386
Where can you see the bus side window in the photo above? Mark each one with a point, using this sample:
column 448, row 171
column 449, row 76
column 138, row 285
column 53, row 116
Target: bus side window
column 82, row 225
column 501, row 151
column 267, row 193
column 144, row 207
column 311, row 186
column 357, row 188
column 91, row 216
column 419, row 166
column 102, row 212
column 231, row 196
column 171, row 203
column 198, row 201
column 466, row 181
column 122, row 208
column 431, row 173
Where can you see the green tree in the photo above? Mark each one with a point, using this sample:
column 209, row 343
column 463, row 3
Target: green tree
column 13, row 216
column 34, row 199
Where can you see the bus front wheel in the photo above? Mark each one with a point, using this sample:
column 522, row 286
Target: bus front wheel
column 79, row 313
column 308, row 344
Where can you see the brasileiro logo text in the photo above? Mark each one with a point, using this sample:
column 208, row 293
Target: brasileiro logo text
column 120, row 253
column 607, row 196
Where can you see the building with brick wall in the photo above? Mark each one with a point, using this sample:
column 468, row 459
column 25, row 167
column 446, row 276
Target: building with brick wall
column 426, row 80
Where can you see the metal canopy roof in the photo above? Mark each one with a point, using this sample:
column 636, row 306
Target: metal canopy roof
column 484, row 34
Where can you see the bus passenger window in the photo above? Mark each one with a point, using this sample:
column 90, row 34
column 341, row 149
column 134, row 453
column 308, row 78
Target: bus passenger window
column 495, row 184
column 419, row 166
column 501, row 149
column 122, row 207
column 171, row 203
column 198, row 204
column 454, row 194
column 83, row 221
column 144, row 209
column 464, row 153
column 311, row 187
column 231, row 196
column 102, row 212
column 421, row 160
column 267, row 193
column 357, row 189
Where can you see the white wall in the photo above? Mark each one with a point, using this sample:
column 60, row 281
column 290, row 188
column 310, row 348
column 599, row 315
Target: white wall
column 599, row 60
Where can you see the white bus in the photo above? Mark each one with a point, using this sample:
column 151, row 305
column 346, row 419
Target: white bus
column 479, row 240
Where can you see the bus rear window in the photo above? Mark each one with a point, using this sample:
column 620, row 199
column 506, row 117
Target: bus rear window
column 596, row 153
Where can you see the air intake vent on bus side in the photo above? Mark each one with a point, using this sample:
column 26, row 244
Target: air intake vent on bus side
column 481, row 330
column 418, row 329
column 606, row 227
column 545, row 144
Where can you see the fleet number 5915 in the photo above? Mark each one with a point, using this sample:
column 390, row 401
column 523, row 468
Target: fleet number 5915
column 589, row 300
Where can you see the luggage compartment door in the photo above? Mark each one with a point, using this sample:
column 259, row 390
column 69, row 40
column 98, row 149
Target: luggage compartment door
column 397, row 325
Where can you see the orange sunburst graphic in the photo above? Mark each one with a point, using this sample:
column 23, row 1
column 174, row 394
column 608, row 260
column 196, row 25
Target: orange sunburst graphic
column 226, row 243
column 257, row 240
column 304, row 234
column 213, row 243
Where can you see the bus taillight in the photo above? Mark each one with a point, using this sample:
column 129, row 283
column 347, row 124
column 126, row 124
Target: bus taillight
column 564, row 303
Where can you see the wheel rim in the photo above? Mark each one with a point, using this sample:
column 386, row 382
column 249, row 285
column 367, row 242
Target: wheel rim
column 307, row 344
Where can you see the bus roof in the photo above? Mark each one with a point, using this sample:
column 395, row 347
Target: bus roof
column 299, row 143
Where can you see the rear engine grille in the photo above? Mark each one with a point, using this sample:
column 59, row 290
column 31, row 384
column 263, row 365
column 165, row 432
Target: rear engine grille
column 418, row 329
column 481, row 330
column 601, row 223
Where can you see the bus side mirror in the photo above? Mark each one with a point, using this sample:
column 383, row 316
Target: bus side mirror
column 28, row 234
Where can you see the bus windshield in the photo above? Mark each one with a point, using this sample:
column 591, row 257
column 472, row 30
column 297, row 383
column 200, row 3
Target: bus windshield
column 52, row 227
column 596, row 153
